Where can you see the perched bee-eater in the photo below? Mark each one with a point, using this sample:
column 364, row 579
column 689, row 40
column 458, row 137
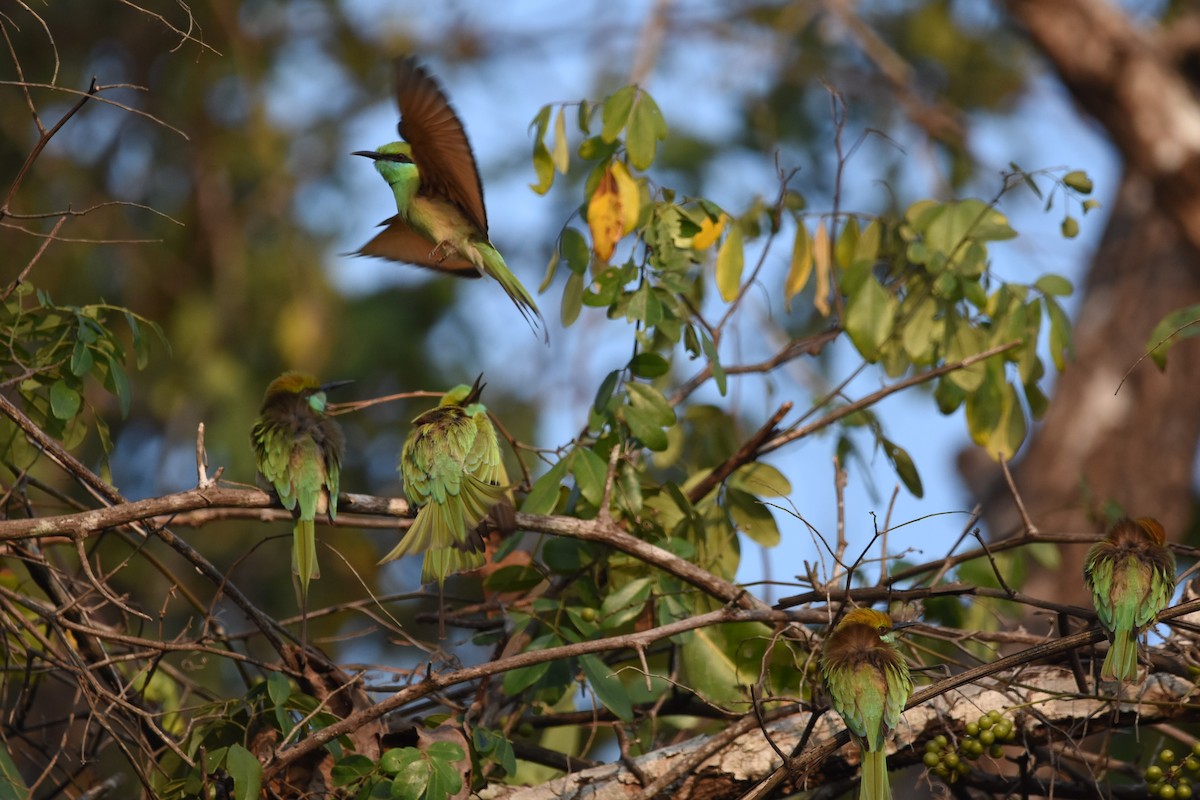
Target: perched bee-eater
column 298, row 450
column 453, row 473
column 868, row 683
column 440, row 222
column 1131, row 575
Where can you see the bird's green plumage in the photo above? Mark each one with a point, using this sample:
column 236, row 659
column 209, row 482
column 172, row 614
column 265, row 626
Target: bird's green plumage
column 1131, row 575
column 298, row 450
column 441, row 222
column 454, row 475
column 868, row 682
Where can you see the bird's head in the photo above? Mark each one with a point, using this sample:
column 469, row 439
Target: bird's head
column 301, row 384
column 391, row 153
column 1152, row 528
column 463, row 395
column 878, row 621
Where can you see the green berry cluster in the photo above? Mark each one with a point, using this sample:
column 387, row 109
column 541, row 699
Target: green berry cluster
column 985, row 735
column 1170, row 778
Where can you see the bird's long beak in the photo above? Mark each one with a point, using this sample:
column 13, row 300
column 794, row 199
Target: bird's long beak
column 371, row 154
column 898, row 625
column 476, row 391
column 325, row 387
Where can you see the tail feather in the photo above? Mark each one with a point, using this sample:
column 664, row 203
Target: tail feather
column 1120, row 663
column 874, row 784
column 442, row 562
column 304, row 553
column 493, row 264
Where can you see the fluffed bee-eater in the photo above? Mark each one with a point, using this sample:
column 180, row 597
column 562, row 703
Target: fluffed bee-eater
column 440, row 220
column 1131, row 575
column 454, row 475
column 868, row 683
column 298, row 449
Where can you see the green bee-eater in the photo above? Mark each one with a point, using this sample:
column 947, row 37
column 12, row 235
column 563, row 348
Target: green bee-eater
column 868, row 683
column 1131, row 575
column 299, row 451
column 440, row 222
column 453, row 473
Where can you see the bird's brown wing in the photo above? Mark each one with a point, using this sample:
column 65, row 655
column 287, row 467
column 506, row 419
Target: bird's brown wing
column 399, row 242
column 440, row 148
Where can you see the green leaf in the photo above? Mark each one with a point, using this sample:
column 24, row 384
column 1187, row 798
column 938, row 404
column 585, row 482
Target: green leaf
column 870, row 317
column 761, row 479
column 752, row 517
column 1060, row 333
column 590, row 471
column 81, row 359
column 543, row 496
column 1179, row 324
column 800, row 270
column 714, row 361
column 351, row 769
column 1070, row 227
column 65, row 402
column 644, row 426
column 278, row 689
column 12, row 785
column 710, row 666
column 574, row 248
column 625, row 604
column 607, row 686
column 905, row 468
column 917, row 336
column 604, row 394
column 615, row 112
column 117, row 382
column 246, row 772
column 966, row 341
column 1053, row 284
column 1079, row 181
column 572, row 300
column 560, row 154
column 543, row 168
column 649, row 365
column 646, row 127
column 518, row 680
column 730, row 260
column 643, row 395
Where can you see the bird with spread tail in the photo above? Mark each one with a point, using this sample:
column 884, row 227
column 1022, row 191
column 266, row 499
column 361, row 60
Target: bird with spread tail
column 440, row 220
column 1131, row 575
column 298, row 449
column 454, row 475
column 868, row 682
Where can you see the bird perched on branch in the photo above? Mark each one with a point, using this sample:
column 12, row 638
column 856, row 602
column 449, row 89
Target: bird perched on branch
column 298, row 449
column 1131, row 575
column 868, row 683
column 453, row 473
column 441, row 222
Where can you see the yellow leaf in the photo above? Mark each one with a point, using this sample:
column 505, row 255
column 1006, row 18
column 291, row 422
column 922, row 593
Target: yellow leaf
column 820, row 251
column 559, row 154
column 729, row 265
column 629, row 196
column 802, row 264
column 709, row 232
column 604, row 217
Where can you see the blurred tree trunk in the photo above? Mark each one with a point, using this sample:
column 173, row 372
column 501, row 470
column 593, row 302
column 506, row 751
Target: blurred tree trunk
column 1098, row 446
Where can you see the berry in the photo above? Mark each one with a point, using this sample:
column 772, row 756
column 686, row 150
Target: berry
column 1154, row 774
column 950, row 760
column 1167, row 756
column 941, row 740
column 1183, row 790
column 987, row 737
column 1191, row 764
column 931, row 760
column 996, row 751
column 985, row 722
column 972, row 729
column 1167, row 792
